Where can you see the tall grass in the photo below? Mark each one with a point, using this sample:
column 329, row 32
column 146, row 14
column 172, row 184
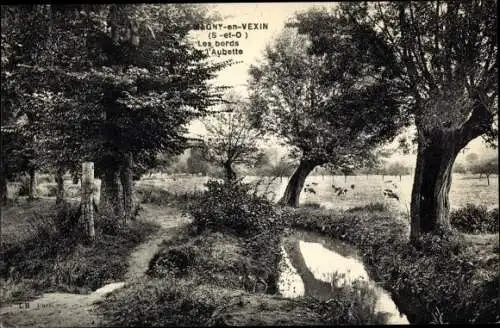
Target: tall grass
column 56, row 258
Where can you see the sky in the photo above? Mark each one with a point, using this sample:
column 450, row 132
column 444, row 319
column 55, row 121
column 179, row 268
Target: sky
column 273, row 14
column 253, row 43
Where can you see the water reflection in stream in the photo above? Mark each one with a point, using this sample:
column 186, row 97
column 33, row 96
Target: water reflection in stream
column 308, row 268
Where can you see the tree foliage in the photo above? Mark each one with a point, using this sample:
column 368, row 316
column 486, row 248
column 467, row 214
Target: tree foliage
column 122, row 76
column 331, row 97
column 231, row 139
column 323, row 105
column 97, row 81
column 113, row 84
column 445, row 55
column 459, row 168
column 486, row 167
column 471, row 158
column 397, row 169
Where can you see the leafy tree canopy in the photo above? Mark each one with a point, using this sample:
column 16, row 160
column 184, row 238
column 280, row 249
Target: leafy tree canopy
column 100, row 80
column 335, row 107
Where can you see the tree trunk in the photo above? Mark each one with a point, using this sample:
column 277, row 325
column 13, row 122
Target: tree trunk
column 60, row 185
column 437, row 150
column 32, row 187
column 488, row 178
column 230, row 175
column 111, row 193
column 431, row 186
column 87, row 200
column 296, row 183
column 126, row 176
column 399, row 178
column 3, row 189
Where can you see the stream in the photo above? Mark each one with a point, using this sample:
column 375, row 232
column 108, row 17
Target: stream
column 313, row 265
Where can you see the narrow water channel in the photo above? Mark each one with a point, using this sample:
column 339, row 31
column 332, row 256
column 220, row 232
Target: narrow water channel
column 313, row 265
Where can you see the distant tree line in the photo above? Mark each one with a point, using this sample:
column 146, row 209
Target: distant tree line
column 484, row 167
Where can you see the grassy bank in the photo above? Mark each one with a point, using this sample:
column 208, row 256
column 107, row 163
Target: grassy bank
column 449, row 279
column 223, row 269
column 220, row 259
column 192, row 276
column 211, row 278
column 52, row 257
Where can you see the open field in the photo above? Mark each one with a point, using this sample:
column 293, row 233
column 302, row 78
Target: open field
column 367, row 189
column 464, row 189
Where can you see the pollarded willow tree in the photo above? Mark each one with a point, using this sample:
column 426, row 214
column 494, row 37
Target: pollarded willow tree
column 331, row 109
column 231, row 139
column 121, row 84
column 446, row 53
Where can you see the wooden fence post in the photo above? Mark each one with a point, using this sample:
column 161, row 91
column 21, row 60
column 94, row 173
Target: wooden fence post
column 87, row 199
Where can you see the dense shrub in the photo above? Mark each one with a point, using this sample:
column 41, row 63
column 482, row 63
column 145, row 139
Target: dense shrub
column 234, row 235
column 159, row 196
column 215, row 258
column 59, row 223
column 355, row 303
column 475, row 219
column 234, row 207
column 177, row 260
column 439, row 278
column 371, row 207
column 311, row 205
column 107, row 223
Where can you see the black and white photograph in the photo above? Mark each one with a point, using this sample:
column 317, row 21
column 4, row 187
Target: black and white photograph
column 249, row 164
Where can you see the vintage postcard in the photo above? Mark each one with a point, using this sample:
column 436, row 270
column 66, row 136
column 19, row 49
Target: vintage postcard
column 274, row 163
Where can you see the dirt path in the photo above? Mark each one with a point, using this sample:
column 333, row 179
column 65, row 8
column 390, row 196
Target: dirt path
column 168, row 218
column 77, row 310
